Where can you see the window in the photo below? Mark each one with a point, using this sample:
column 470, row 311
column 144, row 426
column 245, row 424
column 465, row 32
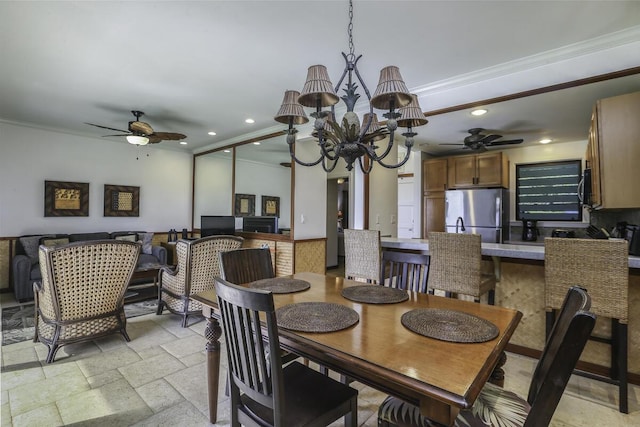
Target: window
column 548, row 191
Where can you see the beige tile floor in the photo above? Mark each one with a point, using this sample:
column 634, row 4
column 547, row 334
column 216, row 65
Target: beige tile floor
column 159, row 379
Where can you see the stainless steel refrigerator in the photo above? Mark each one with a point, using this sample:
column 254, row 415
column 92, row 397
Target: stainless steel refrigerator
column 478, row 211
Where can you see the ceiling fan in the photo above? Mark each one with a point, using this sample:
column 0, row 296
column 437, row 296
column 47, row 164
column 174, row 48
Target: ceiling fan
column 476, row 141
column 137, row 128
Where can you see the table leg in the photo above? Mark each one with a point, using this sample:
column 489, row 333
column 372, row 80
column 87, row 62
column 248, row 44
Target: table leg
column 497, row 376
column 212, row 333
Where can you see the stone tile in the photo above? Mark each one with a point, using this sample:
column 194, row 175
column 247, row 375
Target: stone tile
column 59, row 368
column 19, row 358
column 192, row 384
column 183, row 414
column 43, row 416
column 149, row 335
column 159, row 395
column 149, row 352
column 185, row 346
column 571, row 411
column 69, row 353
column 107, row 361
column 107, row 377
column 5, row 415
column 116, row 403
column 194, row 359
column 21, row 374
column 111, row 342
column 148, row 370
column 4, row 397
column 173, row 324
column 26, row 397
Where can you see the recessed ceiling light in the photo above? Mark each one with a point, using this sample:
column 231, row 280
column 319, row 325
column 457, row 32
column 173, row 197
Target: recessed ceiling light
column 227, row 151
column 183, row 142
column 256, row 143
column 545, row 141
column 249, row 121
column 212, row 133
column 479, row 112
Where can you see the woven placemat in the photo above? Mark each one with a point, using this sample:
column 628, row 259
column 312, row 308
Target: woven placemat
column 281, row 285
column 449, row 325
column 316, row 317
column 375, row 294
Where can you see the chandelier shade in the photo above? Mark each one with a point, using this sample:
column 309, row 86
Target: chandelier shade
column 391, row 92
column 318, row 88
column 373, row 127
column 291, row 109
column 411, row 115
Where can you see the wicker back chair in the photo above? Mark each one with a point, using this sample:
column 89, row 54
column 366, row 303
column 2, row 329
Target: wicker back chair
column 405, row 270
column 246, row 265
column 263, row 392
column 496, row 406
column 362, row 255
column 455, row 266
column 198, row 264
column 81, row 296
column 602, row 267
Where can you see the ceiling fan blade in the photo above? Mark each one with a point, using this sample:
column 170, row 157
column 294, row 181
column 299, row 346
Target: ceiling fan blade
column 105, row 127
column 154, row 139
column 450, row 143
column 140, row 127
column 507, row 142
column 169, row 136
column 120, row 134
column 490, row 138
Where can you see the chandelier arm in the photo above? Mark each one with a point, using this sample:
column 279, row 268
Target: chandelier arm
column 333, row 166
column 362, row 168
column 377, row 158
column 406, row 157
column 300, row 162
column 322, row 142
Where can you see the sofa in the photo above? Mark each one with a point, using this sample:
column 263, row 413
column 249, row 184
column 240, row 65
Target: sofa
column 25, row 265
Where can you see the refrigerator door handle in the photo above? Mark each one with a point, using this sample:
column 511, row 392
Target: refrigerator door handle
column 498, row 211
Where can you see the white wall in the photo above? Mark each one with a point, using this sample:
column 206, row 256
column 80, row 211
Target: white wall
column 383, row 195
column 310, row 195
column 30, row 156
column 266, row 180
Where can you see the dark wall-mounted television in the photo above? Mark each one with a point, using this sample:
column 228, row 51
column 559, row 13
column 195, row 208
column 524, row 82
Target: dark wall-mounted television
column 214, row 225
column 260, row 224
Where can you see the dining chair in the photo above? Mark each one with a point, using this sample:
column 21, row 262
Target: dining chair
column 602, row 267
column 81, row 296
column 404, row 270
column 246, row 265
column 498, row 407
column 263, row 392
column 362, row 255
column 455, row 266
column 198, row 264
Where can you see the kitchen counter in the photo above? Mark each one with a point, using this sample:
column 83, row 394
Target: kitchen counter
column 501, row 250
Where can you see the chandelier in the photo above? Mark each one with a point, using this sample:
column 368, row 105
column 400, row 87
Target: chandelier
column 352, row 139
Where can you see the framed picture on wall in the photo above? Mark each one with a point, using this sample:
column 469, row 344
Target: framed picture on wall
column 245, row 205
column 66, row 198
column 270, row 206
column 121, row 200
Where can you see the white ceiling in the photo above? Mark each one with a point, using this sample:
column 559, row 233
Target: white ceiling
column 193, row 67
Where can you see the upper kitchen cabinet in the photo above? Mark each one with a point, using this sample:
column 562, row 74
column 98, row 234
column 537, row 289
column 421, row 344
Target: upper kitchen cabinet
column 613, row 152
column 479, row 171
column 434, row 175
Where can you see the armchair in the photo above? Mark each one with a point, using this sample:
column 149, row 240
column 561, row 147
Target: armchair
column 81, row 296
column 197, row 265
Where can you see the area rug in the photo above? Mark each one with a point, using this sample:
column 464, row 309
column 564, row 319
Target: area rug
column 18, row 321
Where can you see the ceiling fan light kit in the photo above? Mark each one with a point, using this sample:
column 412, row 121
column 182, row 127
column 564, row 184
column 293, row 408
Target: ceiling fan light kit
column 351, row 139
column 137, row 140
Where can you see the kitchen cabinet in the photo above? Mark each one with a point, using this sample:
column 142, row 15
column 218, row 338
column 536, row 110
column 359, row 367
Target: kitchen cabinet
column 434, row 184
column 478, row 171
column 613, row 152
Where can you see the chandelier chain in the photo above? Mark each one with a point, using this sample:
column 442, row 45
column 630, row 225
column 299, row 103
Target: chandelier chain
column 350, row 31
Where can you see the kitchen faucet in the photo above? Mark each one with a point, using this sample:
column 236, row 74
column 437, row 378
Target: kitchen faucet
column 460, row 222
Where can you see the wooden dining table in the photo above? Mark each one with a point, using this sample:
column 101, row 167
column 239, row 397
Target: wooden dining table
column 440, row 377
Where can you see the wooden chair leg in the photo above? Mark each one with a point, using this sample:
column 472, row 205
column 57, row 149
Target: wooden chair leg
column 492, row 297
column 620, row 344
column 550, row 320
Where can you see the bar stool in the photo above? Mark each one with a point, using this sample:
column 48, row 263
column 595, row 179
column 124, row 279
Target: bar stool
column 362, row 255
column 602, row 267
column 455, row 266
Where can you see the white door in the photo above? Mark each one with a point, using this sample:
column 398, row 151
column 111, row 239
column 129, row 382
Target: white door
column 405, row 207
